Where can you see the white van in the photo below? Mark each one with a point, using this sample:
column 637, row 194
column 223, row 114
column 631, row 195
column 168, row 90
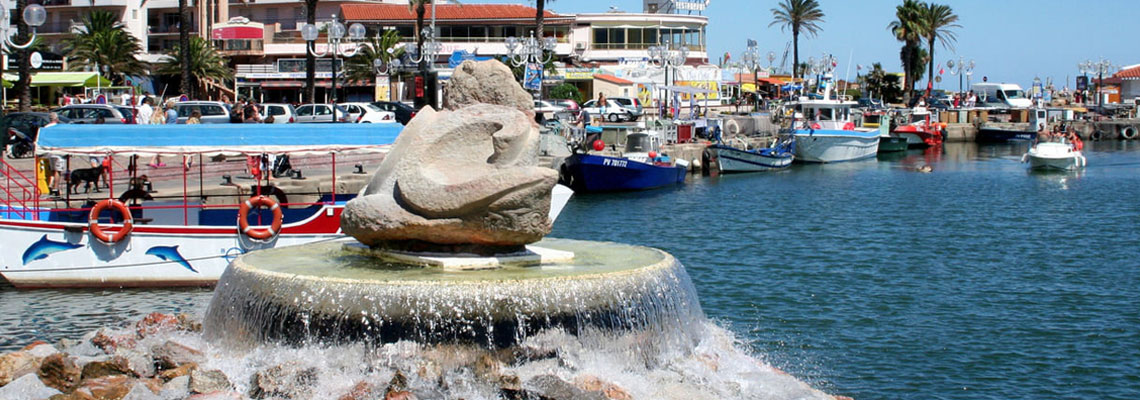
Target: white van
column 1001, row 94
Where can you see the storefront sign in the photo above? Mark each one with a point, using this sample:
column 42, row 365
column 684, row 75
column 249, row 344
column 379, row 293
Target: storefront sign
column 40, row 61
column 299, row 65
column 383, row 88
column 580, row 74
column 714, row 86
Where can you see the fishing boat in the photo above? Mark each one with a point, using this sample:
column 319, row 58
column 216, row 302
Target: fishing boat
column 1013, row 132
column 1056, row 156
column 827, row 135
column 730, row 159
column 922, row 131
column 639, row 167
column 891, row 144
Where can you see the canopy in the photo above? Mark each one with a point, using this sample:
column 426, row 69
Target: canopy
column 64, row 79
column 215, row 139
column 688, row 89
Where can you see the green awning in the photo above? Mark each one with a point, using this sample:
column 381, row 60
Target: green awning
column 69, row 79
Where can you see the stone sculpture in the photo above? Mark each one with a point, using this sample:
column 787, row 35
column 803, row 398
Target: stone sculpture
column 462, row 180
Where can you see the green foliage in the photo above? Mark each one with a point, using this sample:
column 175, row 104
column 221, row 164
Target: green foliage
column 205, row 61
column 798, row 16
column 908, row 29
column 103, row 40
column 880, row 84
column 566, row 91
column 937, row 22
column 360, row 66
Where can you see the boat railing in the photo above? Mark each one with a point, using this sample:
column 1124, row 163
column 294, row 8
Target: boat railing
column 20, row 197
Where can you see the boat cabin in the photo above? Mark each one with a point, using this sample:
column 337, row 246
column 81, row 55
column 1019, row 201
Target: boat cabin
column 827, row 114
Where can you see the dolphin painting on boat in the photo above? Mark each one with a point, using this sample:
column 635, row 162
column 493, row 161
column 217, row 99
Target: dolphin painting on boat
column 45, row 247
column 170, row 253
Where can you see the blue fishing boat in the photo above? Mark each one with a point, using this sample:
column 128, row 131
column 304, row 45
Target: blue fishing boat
column 731, row 159
column 639, row 167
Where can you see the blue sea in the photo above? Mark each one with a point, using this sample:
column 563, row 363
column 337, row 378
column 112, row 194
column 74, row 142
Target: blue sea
column 979, row 280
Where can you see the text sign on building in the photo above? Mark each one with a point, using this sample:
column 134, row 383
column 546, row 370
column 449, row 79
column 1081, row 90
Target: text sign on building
column 299, row 65
column 39, row 61
column 682, row 5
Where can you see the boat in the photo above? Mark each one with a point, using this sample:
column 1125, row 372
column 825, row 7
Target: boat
column 1055, row 156
column 1013, row 132
column 732, row 159
column 827, row 134
column 891, row 144
column 922, row 131
column 639, row 167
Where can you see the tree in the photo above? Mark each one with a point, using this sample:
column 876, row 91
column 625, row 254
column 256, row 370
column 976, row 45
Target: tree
column 937, row 22
column 907, row 29
column 539, row 18
column 24, row 68
column 104, row 41
column 360, row 66
column 184, row 44
column 566, row 91
column 916, row 70
column 798, row 16
column 310, row 60
column 204, row 62
column 880, row 84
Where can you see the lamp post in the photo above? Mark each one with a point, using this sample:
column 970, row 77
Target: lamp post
column 1086, row 68
column 665, row 56
column 33, row 16
column 425, row 57
column 751, row 59
column 961, row 68
column 1100, row 67
column 528, row 52
column 336, row 32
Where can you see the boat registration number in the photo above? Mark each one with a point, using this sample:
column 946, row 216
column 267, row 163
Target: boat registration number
column 615, row 163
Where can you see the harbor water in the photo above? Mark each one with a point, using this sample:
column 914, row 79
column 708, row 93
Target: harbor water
column 867, row 279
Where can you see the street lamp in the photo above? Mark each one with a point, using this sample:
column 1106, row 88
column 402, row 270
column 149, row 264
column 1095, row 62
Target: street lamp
column 665, row 56
column 1100, row 68
column 961, row 68
column 529, row 51
column 751, row 59
column 34, row 16
column 1086, row 68
column 336, row 32
column 821, row 68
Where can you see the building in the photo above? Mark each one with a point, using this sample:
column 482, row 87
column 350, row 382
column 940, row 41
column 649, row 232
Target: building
column 1129, row 83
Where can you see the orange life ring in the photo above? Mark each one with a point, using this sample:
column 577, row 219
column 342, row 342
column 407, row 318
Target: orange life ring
column 259, row 233
column 97, row 231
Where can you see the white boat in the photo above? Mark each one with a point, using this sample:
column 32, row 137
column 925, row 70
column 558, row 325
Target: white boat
column 730, row 159
column 1060, row 156
column 827, row 134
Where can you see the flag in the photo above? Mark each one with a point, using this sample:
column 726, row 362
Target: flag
column 941, row 71
column 727, row 56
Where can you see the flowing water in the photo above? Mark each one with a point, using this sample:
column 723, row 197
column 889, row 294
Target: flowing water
column 865, row 279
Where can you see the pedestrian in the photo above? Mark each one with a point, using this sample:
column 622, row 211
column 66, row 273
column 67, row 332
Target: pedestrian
column 145, row 111
column 158, row 117
column 195, row 118
column 602, row 103
column 171, row 112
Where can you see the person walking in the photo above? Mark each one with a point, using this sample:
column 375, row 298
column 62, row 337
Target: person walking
column 171, row 112
column 145, row 111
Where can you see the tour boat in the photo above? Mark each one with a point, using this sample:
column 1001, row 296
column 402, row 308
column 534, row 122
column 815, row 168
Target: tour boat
column 1062, row 156
column 922, row 131
column 731, row 159
column 640, row 167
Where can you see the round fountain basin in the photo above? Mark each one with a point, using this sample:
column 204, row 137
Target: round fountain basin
column 327, row 293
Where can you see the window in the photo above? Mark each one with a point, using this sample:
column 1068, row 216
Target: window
column 304, row 111
column 601, row 37
column 322, row 110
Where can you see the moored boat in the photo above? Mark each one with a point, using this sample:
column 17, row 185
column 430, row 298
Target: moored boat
column 891, row 144
column 922, row 130
column 827, row 134
column 640, row 167
column 732, row 159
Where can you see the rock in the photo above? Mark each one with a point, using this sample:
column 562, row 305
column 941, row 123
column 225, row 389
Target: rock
column 155, row 322
column 27, row 387
column 209, row 381
column 487, row 367
column 40, row 349
column 463, row 181
column 140, row 391
column 360, row 391
column 230, row 395
column 486, row 82
column 288, row 380
column 177, row 388
column 138, row 363
column 611, row 391
column 182, row 370
column 188, row 323
column 113, row 387
column 554, row 388
column 398, row 382
column 399, row 395
column 16, row 364
column 109, row 342
column 60, row 372
column 99, row 369
column 67, row 343
column 171, row 354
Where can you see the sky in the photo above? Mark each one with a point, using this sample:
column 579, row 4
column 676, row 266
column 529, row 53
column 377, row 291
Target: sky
column 1009, row 40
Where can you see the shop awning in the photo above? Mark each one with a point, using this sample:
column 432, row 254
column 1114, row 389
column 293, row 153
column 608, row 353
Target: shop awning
column 64, row 79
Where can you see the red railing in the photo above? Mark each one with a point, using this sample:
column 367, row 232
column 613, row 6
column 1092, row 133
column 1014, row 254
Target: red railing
column 19, row 191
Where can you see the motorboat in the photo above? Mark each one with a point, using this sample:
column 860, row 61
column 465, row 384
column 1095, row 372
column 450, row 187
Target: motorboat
column 640, row 166
column 922, row 131
column 1057, row 156
column 740, row 158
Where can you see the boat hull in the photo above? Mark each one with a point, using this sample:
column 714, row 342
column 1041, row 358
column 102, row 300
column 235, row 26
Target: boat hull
column 1054, row 156
column 991, row 135
column 917, row 138
column 731, row 160
column 1056, row 164
column 828, row 146
column 595, row 173
column 892, row 144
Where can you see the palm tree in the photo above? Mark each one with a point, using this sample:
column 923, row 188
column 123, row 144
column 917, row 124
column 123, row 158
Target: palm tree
column 104, row 41
column 24, row 68
column 310, row 60
column 184, row 44
column 419, row 6
column 539, row 17
column 907, row 30
column 360, row 66
column 798, row 16
column 204, row 62
column 937, row 22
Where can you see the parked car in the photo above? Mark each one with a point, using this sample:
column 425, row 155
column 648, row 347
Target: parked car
column 614, row 111
column 366, row 113
column 90, row 113
column 213, row 112
column 22, row 129
column 404, row 112
column 632, row 104
column 282, row 113
column 543, row 106
column 569, row 111
column 310, row 113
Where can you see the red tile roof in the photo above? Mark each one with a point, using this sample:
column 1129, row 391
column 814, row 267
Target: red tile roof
column 613, row 79
column 400, row 12
column 1129, row 74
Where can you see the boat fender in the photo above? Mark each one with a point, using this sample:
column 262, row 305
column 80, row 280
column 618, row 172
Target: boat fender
column 1096, row 136
column 732, row 127
column 259, row 233
column 1128, row 132
column 98, row 232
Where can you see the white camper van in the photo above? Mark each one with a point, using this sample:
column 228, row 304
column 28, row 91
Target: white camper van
column 1001, row 95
